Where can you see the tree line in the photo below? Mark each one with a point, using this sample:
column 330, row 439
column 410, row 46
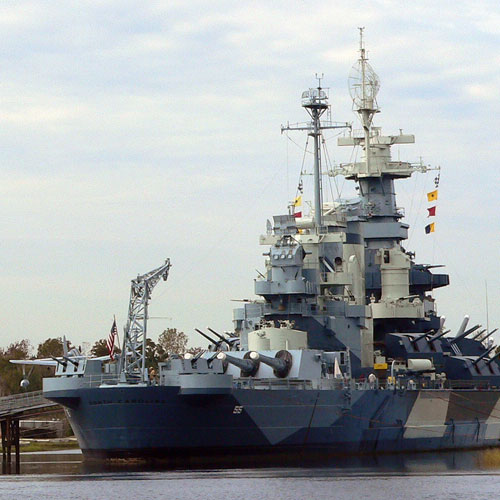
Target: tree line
column 170, row 341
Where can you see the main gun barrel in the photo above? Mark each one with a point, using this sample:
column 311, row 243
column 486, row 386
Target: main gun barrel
column 464, row 334
column 493, row 358
column 247, row 365
column 485, row 353
column 281, row 363
column 439, row 335
column 211, row 340
column 218, row 335
column 487, row 335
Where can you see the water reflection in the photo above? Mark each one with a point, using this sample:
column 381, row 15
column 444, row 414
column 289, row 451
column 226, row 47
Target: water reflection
column 71, row 463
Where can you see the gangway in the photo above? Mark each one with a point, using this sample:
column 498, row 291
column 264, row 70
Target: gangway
column 13, row 409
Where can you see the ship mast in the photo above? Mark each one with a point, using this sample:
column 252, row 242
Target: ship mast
column 315, row 101
column 367, row 104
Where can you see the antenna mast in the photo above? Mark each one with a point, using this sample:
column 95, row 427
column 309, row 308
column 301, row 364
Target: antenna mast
column 315, row 101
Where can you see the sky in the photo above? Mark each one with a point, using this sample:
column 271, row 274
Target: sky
column 135, row 131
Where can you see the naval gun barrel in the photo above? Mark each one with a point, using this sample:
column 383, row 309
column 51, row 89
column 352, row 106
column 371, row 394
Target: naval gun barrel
column 485, row 353
column 487, row 335
column 218, row 335
column 73, row 362
column 59, row 361
column 211, row 340
column 281, row 363
column 420, row 337
column 193, row 357
column 464, row 334
column 478, row 334
column 439, row 335
column 493, row 358
column 229, row 341
column 247, row 365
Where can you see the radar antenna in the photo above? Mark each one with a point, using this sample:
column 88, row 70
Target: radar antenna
column 133, row 356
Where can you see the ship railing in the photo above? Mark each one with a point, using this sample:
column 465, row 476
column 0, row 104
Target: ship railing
column 272, row 383
column 98, row 380
column 294, row 307
column 423, row 384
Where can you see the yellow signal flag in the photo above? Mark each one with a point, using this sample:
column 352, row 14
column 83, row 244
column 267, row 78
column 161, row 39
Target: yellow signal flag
column 432, row 196
column 298, row 201
column 429, row 228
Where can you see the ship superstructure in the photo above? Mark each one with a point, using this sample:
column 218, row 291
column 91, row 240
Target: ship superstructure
column 357, row 282
column 343, row 352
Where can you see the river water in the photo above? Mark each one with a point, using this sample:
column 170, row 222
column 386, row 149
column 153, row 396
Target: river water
column 453, row 476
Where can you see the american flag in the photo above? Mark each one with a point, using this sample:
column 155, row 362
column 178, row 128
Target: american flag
column 111, row 340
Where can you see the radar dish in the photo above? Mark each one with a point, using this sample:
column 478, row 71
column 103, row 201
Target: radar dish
column 371, row 85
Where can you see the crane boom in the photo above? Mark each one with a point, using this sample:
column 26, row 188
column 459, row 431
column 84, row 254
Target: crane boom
column 133, row 355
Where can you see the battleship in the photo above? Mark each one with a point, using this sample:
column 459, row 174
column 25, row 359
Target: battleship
column 342, row 353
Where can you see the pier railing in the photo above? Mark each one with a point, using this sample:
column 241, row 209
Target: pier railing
column 23, row 401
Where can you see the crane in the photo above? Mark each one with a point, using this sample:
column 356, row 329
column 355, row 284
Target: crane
column 133, row 356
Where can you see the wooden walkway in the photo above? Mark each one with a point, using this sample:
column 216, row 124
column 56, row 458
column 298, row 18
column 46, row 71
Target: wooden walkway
column 12, row 410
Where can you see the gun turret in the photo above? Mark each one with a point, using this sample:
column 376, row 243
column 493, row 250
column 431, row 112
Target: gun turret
column 281, row 363
column 464, row 334
column 485, row 353
column 247, row 365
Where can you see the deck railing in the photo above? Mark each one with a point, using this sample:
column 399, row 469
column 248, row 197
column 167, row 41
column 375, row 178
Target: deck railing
column 402, row 384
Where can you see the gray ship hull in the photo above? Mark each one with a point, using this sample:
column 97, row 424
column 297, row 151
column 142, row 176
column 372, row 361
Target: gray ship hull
column 159, row 421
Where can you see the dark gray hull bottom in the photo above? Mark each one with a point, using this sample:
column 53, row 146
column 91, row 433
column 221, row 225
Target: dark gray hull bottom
column 256, row 425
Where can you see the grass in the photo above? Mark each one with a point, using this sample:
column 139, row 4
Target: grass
column 48, row 445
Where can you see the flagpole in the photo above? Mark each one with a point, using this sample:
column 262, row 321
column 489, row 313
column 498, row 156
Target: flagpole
column 117, row 337
column 487, row 311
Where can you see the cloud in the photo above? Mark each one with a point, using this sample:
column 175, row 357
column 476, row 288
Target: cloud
column 136, row 131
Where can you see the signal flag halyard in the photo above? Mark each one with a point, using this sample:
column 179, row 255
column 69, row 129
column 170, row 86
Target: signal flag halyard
column 432, row 196
column 429, row 228
column 111, row 340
